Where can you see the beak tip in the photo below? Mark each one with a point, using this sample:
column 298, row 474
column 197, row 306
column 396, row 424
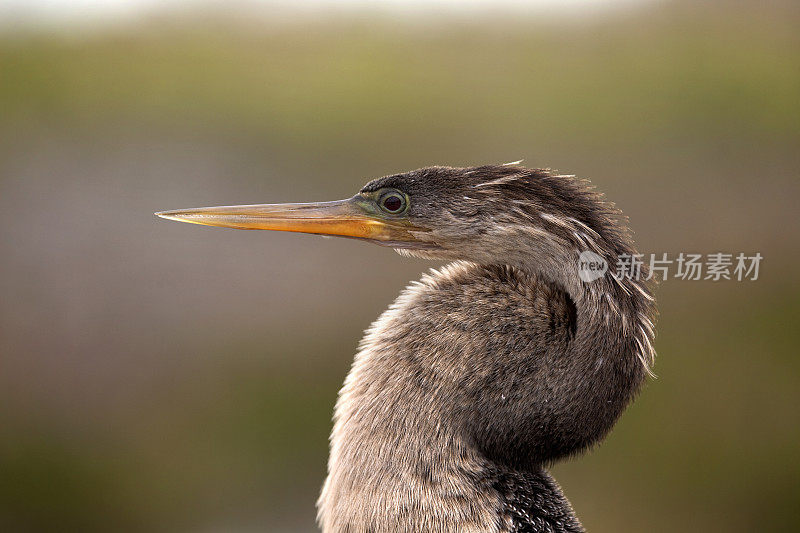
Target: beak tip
column 169, row 215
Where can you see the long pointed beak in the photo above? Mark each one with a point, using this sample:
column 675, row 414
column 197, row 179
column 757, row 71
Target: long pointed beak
column 344, row 218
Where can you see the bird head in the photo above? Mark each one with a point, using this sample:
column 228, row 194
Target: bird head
column 476, row 213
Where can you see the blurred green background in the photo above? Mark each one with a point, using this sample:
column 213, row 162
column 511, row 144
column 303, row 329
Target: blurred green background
column 160, row 376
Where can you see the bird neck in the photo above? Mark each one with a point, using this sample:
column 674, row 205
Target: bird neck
column 475, row 379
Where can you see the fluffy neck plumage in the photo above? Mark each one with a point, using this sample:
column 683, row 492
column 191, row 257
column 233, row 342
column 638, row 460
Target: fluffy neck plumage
column 475, row 379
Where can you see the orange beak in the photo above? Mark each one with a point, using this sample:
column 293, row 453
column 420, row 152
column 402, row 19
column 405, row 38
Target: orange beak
column 344, row 218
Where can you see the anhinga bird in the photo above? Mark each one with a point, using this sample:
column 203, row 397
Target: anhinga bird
column 487, row 371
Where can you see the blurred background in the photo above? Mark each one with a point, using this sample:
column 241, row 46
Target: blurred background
column 157, row 376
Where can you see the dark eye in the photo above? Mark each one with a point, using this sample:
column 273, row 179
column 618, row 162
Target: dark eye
column 393, row 202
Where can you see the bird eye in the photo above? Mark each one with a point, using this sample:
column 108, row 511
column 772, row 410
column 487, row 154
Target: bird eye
column 393, row 202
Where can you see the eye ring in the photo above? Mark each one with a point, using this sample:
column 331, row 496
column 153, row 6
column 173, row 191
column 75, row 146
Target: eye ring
column 392, row 202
